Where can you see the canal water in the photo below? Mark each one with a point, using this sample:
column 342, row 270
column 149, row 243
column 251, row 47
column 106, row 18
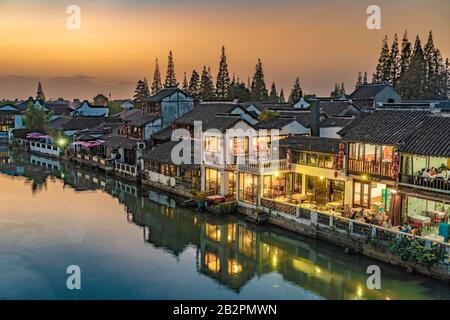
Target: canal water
column 132, row 243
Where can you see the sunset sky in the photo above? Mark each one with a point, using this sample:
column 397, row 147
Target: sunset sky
column 321, row 41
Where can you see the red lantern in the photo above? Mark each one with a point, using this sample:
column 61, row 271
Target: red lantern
column 336, row 174
column 395, row 167
column 289, row 159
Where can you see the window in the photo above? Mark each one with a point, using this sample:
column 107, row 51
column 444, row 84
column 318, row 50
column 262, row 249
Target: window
column 248, row 187
column 361, row 194
column 212, row 180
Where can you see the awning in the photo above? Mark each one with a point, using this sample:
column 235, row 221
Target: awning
column 87, row 144
column 37, row 135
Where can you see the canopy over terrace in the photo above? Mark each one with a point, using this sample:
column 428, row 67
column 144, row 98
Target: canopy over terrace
column 37, row 135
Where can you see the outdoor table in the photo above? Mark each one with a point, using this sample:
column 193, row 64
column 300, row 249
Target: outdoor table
column 425, row 221
column 440, row 214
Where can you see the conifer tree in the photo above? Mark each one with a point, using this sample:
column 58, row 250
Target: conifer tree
column 359, row 80
column 206, row 85
column 335, row 93
column 238, row 90
column 282, row 99
column 171, row 79
column 296, row 92
column 382, row 73
column 146, row 89
column 141, row 91
column 273, row 94
column 185, row 84
column 194, row 85
column 394, row 62
column 258, row 86
column 365, row 81
column 342, row 90
column 416, row 75
column 432, row 66
column 40, row 93
column 405, row 58
column 223, row 79
column 157, row 83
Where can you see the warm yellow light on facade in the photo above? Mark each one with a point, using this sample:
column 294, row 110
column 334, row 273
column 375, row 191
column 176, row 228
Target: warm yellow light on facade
column 321, row 177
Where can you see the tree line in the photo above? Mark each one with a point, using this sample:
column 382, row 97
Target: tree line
column 416, row 72
column 201, row 85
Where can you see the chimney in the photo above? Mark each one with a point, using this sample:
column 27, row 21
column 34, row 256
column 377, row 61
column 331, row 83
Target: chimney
column 315, row 118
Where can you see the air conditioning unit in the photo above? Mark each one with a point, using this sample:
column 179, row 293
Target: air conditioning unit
column 142, row 146
column 115, row 156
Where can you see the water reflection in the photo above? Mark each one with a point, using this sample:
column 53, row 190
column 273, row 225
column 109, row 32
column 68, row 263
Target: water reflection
column 230, row 250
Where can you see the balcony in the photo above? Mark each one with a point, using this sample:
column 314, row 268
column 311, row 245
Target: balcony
column 264, row 166
column 425, row 183
column 383, row 169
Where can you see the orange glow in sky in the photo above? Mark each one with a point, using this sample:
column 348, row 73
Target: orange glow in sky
column 322, row 42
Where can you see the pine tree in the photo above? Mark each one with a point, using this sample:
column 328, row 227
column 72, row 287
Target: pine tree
column 342, row 90
column 258, row 86
column 223, row 79
column 238, row 90
column 171, row 79
column 206, row 85
column 156, row 84
column 185, row 84
column 365, row 81
column 141, row 91
column 282, row 99
column 416, row 75
column 296, row 92
column 382, row 73
column 335, row 93
column 359, row 80
column 194, row 85
column 394, row 62
column 405, row 58
column 273, row 94
column 146, row 89
column 40, row 93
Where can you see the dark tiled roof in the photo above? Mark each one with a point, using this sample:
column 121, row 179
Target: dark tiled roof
column 143, row 119
column 163, row 134
column 163, row 94
column 221, row 122
column 314, row 144
column 80, row 123
column 135, row 117
column 338, row 108
column 354, row 123
column 368, row 91
column 432, row 138
column 335, row 121
column 385, row 127
column 20, row 133
column 58, row 123
column 204, row 111
column 120, row 142
column 277, row 123
column 162, row 153
column 304, row 118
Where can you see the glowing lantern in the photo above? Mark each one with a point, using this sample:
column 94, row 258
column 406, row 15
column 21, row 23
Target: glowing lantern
column 395, row 167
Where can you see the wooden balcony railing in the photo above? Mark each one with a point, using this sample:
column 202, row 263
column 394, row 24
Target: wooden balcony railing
column 425, row 183
column 383, row 169
column 264, row 166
